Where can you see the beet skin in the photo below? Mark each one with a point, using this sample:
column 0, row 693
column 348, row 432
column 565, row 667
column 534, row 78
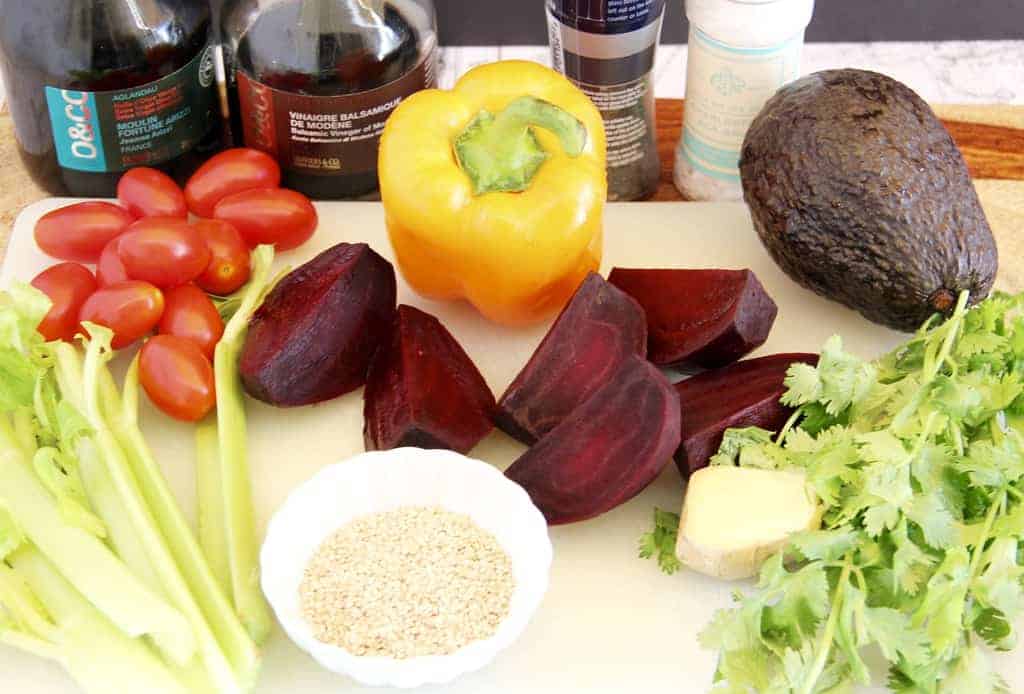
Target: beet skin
column 607, row 451
column 699, row 319
column 597, row 330
column 317, row 330
column 423, row 390
column 744, row 394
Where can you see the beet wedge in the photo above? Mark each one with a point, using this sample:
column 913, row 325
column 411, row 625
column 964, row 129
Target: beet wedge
column 597, row 330
column 607, row 451
column 423, row 390
column 699, row 319
column 744, row 394
column 317, row 330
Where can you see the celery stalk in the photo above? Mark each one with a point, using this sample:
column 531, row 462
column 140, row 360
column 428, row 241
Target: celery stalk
column 11, row 434
column 24, row 430
column 172, row 581
column 104, row 495
column 85, row 559
column 22, row 606
column 97, row 655
column 212, row 534
column 239, row 519
column 30, row 644
column 210, row 594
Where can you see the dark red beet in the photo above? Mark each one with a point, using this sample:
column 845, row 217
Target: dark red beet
column 744, row 394
column 423, row 390
column 597, row 330
column 607, row 450
column 699, row 318
column 317, row 330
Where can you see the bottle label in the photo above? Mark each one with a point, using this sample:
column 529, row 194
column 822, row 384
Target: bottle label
column 611, row 61
column 726, row 87
column 325, row 135
column 139, row 126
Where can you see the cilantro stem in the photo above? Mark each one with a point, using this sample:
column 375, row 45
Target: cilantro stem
column 861, row 580
column 931, row 369
column 789, row 425
column 979, row 549
column 958, row 437
column 829, row 634
column 947, row 344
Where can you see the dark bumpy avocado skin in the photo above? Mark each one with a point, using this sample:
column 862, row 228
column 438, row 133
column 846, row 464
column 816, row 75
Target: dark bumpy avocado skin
column 859, row 193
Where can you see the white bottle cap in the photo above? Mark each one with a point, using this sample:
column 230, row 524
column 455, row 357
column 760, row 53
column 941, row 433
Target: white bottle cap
column 750, row 23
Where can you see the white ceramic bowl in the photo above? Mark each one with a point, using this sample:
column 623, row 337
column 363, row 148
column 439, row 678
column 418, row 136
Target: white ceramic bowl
column 383, row 481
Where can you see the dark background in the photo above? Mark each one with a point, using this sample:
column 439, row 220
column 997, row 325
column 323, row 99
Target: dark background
column 510, row 22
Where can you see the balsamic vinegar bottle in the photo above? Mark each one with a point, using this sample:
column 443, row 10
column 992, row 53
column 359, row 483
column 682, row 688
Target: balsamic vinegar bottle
column 98, row 86
column 312, row 82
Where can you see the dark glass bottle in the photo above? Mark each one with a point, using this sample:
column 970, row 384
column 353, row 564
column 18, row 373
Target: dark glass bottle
column 312, row 82
column 98, row 86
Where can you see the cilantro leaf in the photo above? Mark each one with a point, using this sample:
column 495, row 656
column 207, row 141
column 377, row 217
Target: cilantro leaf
column 972, row 673
column 661, row 542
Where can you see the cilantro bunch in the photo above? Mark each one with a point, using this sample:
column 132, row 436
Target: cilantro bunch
column 917, row 459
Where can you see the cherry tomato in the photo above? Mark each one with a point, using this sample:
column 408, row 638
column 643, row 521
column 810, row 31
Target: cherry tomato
column 131, row 309
column 147, row 192
column 229, row 257
column 164, row 251
column 68, row 285
column 229, row 172
column 189, row 313
column 79, row 232
column 109, row 268
column 177, row 377
column 269, row 215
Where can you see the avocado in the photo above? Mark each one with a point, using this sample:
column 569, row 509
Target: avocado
column 859, row 193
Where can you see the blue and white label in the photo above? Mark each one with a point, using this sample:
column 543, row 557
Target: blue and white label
column 726, row 86
column 143, row 125
column 76, row 131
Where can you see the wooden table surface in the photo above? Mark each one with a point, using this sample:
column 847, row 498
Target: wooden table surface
column 990, row 137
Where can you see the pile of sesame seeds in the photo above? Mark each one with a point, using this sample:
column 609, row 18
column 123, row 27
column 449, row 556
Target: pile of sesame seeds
column 418, row 580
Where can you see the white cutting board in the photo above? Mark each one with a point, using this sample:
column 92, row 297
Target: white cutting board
column 610, row 622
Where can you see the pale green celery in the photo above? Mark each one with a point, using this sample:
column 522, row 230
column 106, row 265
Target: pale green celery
column 103, row 494
column 99, row 656
column 210, row 594
column 29, row 644
column 22, row 606
column 11, row 536
column 60, row 475
column 84, row 559
column 24, row 430
column 8, row 428
column 238, row 516
column 169, row 574
column 22, row 309
column 209, row 493
column 105, row 498
column 24, row 623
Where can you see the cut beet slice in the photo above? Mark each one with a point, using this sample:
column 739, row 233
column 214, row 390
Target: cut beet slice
column 699, row 318
column 597, row 330
column 317, row 330
column 607, row 451
column 744, row 394
column 423, row 390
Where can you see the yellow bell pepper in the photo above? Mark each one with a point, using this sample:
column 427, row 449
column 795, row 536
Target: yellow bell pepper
column 494, row 191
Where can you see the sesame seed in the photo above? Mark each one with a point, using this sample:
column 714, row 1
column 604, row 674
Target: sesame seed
column 418, row 580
